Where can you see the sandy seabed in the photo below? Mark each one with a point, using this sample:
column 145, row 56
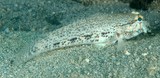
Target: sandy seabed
column 24, row 22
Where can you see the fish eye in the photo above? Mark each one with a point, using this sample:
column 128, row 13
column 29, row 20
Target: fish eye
column 139, row 19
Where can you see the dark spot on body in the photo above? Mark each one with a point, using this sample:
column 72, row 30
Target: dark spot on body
column 73, row 39
column 56, row 44
column 104, row 34
column 118, row 34
column 63, row 42
column 88, row 36
column 97, row 40
column 91, row 40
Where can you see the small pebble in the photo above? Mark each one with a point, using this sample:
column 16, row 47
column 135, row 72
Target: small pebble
column 87, row 60
column 149, row 47
column 127, row 52
column 144, row 54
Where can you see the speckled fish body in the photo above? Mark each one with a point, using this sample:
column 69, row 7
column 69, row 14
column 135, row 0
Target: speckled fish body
column 100, row 29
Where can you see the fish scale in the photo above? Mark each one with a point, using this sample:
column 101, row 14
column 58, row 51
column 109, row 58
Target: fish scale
column 97, row 29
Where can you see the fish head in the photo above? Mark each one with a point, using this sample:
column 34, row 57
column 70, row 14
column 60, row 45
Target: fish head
column 133, row 28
